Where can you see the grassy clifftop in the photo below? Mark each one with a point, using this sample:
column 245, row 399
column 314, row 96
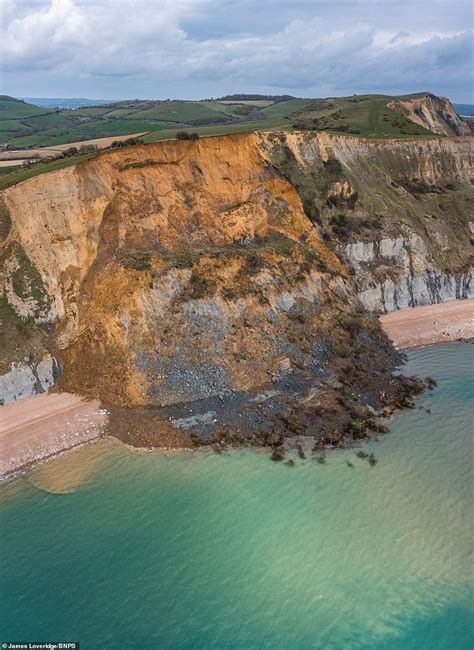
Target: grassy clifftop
column 24, row 125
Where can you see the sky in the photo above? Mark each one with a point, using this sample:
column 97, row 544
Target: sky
column 194, row 49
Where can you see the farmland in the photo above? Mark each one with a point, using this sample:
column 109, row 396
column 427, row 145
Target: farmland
column 23, row 125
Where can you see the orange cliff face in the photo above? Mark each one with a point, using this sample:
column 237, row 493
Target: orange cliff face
column 194, row 270
column 165, row 252
column 173, row 197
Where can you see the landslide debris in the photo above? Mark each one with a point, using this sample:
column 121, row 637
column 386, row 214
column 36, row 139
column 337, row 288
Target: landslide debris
column 197, row 288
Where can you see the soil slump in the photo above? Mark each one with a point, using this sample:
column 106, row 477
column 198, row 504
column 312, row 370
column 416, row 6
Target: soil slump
column 186, row 278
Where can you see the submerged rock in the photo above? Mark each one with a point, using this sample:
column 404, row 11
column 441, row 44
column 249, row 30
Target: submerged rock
column 278, row 454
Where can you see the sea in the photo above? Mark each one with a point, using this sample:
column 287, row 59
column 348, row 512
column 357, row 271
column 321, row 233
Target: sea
column 464, row 109
column 120, row 549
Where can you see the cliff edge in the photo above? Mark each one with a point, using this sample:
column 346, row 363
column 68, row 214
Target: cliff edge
column 434, row 113
column 210, row 286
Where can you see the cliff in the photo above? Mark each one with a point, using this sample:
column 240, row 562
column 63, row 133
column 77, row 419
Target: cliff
column 215, row 280
column 434, row 113
column 396, row 212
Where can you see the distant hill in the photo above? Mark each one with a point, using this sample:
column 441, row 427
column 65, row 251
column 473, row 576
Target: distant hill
column 61, row 102
column 18, row 118
column 418, row 114
column 245, row 97
column 24, row 124
column 13, row 109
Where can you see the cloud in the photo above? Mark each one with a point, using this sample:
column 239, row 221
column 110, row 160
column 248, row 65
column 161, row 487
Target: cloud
column 91, row 37
column 306, row 47
column 39, row 37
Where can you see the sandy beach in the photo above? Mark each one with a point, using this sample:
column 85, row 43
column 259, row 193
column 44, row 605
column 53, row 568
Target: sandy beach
column 440, row 323
column 39, row 427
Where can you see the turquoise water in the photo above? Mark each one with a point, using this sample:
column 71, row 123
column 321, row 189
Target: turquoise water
column 238, row 552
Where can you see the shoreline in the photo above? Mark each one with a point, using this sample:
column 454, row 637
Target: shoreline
column 43, row 426
column 39, row 428
column 445, row 322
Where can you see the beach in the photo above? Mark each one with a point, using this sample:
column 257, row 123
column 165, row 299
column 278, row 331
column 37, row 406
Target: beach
column 414, row 327
column 39, row 427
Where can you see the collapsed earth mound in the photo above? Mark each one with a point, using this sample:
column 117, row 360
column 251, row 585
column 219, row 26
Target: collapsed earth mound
column 207, row 286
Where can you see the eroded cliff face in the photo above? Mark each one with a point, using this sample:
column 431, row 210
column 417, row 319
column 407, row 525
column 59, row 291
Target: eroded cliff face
column 27, row 378
column 434, row 113
column 397, row 212
column 395, row 273
column 215, row 280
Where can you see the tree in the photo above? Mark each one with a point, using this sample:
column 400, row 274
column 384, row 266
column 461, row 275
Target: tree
column 184, row 135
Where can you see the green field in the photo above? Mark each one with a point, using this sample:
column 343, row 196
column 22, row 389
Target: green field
column 90, row 131
column 13, row 109
column 23, row 125
column 181, row 112
column 13, row 126
column 276, row 124
column 366, row 115
column 48, row 121
column 284, row 109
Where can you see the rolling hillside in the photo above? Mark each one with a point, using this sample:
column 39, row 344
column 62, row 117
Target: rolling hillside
column 26, row 125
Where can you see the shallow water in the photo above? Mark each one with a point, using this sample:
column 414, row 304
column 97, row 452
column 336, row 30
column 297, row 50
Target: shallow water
column 234, row 551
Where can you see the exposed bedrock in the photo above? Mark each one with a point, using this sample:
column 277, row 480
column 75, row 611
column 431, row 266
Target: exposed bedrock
column 234, row 276
column 436, row 114
column 395, row 273
column 396, row 212
column 28, row 378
